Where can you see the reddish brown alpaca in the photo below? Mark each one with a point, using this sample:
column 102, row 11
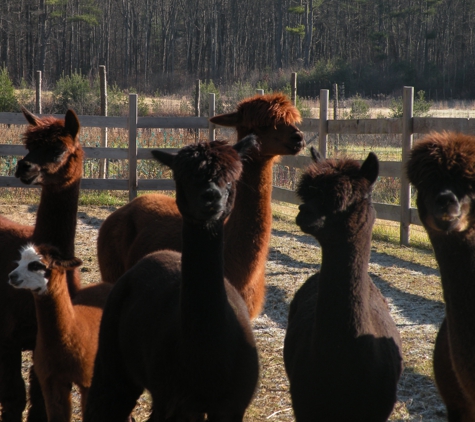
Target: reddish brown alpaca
column 54, row 162
column 153, row 222
column 442, row 169
column 68, row 330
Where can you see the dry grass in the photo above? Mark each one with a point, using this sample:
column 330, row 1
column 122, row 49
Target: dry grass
column 408, row 277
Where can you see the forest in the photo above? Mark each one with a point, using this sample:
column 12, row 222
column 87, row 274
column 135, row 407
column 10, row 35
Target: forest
column 371, row 47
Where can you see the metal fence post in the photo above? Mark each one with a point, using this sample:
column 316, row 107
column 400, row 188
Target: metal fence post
column 132, row 124
column 103, row 87
column 323, row 123
column 212, row 112
column 38, row 108
column 293, row 88
column 407, row 139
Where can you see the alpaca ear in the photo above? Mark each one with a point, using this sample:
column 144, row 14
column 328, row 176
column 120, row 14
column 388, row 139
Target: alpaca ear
column 67, row 264
column 71, row 123
column 370, row 167
column 164, row 157
column 245, row 144
column 316, row 156
column 30, row 117
column 229, row 119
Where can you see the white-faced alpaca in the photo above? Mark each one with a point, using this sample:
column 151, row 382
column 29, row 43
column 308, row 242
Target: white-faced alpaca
column 68, row 330
column 442, row 169
column 173, row 324
column 153, row 222
column 342, row 350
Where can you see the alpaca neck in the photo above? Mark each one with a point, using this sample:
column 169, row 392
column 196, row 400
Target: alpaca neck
column 56, row 221
column 203, row 295
column 54, row 312
column 249, row 226
column 455, row 254
column 57, row 217
column 344, row 283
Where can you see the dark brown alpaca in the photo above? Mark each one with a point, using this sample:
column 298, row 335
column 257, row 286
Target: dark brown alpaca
column 442, row 169
column 342, row 350
column 54, row 161
column 172, row 323
column 68, row 330
column 153, row 222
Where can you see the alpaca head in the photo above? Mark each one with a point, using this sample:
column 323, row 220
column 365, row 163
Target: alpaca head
column 272, row 119
column 54, row 153
column 331, row 190
column 205, row 174
column 442, row 169
column 36, row 265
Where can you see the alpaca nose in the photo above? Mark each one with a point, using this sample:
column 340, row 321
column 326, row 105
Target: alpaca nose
column 23, row 166
column 211, row 195
column 13, row 279
column 448, row 204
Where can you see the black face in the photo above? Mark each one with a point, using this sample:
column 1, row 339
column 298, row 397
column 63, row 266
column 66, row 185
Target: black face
column 312, row 215
column 446, row 208
column 39, row 163
column 206, row 200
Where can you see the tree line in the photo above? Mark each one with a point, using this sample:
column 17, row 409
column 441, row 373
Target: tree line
column 370, row 46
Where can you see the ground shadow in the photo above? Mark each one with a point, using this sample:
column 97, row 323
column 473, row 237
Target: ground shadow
column 417, row 309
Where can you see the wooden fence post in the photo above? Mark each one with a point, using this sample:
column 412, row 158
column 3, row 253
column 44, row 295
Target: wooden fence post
column 197, row 107
column 132, row 123
column 407, row 139
column 323, row 123
column 293, row 87
column 259, row 91
column 103, row 163
column 38, row 108
column 212, row 112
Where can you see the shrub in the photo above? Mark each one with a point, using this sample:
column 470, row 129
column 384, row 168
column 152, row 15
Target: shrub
column 421, row 107
column 359, row 109
column 75, row 92
column 117, row 102
column 8, row 101
column 205, row 89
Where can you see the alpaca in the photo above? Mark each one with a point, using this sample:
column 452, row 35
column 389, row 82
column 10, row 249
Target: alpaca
column 68, row 329
column 54, row 161
column 152, row 222
column 172, row 323
column 442, row 169
column 342, row 350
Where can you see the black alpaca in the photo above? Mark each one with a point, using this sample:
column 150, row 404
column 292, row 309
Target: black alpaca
column 342, row 350
column 442, row 169
column 172, row 323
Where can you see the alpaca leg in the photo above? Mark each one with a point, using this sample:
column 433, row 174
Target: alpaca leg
column 112, row 396
column 12, row 386
column 458, row 407
column 37, row 410
column 57, row 396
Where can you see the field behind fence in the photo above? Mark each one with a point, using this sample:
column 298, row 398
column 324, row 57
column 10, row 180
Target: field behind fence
column 131, row 138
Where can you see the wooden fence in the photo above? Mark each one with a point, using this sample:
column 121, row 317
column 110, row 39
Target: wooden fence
column 405, row 126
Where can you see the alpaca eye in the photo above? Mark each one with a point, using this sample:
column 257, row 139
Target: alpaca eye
column 36, row 266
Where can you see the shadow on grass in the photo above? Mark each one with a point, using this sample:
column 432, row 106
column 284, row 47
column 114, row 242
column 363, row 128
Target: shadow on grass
column 417, row 309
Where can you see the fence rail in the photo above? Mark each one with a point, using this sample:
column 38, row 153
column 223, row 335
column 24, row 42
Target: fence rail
column 405, row 126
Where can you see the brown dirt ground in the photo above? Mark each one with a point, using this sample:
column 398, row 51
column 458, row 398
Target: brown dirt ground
column 408, row 277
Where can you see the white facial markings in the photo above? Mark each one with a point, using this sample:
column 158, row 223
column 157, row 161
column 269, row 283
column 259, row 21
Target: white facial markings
column 30, row 273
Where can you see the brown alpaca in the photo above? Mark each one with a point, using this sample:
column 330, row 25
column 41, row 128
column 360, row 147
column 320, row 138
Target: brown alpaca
column 153, row 222
column 442, row 169
column 68, row 330
column 172, row 323
column 342, row 350
column 54, row 161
